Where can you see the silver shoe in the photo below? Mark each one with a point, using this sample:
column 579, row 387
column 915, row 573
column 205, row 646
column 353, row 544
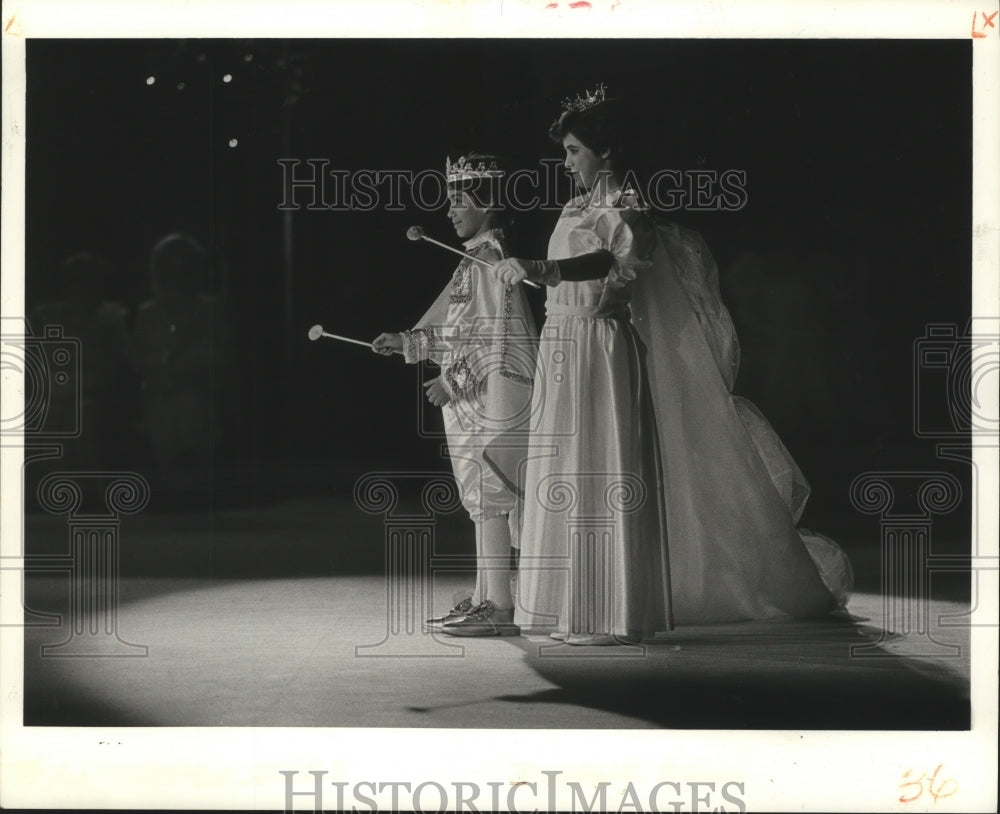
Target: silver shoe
column 599, row 639
column 454, row 614
column 484, row 620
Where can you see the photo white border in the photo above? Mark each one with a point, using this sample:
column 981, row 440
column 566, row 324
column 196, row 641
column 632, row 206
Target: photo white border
column 231, row 768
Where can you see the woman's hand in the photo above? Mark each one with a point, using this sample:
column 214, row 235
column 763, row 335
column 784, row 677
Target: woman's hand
column 511, row 270
column 388, row 344
column 436, row 394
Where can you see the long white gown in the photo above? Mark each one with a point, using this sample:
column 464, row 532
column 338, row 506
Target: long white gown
column 653, row 497
column 482, row 334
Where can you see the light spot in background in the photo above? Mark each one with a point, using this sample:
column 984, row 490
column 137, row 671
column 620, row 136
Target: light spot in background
column 233, row 142
column 227, row 78
column 150, row 80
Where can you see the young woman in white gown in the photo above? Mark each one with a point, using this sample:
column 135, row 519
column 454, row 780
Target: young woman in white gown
column 482, row 334
column 653, row 496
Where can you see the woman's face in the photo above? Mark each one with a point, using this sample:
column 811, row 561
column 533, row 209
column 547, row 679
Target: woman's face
column 583, row 163
column 468, row 218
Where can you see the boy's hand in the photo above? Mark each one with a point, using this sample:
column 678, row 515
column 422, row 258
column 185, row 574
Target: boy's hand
column 388, row 344
column 436, row 394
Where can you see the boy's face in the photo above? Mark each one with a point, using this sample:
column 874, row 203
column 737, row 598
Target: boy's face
column 468, row 218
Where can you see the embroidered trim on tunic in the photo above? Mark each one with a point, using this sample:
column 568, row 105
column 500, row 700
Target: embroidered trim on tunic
column 418, row 339
column 497, row 238
column 461, row 284
column 459, row 376
column 505, row 368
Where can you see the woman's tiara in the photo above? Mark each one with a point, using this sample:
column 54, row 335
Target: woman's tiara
column 588, row 100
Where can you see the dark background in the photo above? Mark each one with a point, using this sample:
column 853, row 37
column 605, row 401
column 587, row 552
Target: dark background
column 855, row 236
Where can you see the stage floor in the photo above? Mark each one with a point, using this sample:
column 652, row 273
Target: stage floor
column 319, row 652
column 278, row 615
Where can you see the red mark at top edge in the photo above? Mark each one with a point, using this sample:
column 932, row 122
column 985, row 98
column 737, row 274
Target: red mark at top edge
column 976, row 34
column 580, row 4
column 987, row 23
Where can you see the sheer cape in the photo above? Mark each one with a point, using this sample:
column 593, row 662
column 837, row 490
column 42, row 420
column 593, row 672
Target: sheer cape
column 733, row 494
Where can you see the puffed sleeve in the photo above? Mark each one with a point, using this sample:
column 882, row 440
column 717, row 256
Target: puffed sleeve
column 629, row 236
column 442, row 333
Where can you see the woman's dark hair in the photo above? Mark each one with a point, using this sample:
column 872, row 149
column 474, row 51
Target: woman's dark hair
column 598, row 128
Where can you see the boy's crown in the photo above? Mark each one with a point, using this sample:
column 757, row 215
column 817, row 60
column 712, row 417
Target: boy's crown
column 466, row 168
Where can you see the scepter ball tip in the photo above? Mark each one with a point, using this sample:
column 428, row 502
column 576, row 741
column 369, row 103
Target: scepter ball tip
column 414, row 233
column 315, row 332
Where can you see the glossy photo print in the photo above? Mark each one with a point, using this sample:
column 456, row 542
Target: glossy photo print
column 468, row 418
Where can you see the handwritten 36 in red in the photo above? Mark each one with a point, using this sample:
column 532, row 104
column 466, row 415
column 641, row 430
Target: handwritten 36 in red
column 988, row 22
column 918, row 784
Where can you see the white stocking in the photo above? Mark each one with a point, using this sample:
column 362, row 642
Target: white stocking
column 494, row 560
column 479, row 592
